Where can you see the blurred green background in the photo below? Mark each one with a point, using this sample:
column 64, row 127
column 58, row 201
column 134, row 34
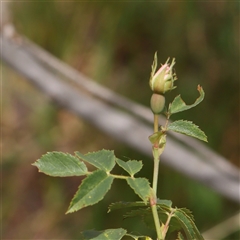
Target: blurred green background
column 113, row 42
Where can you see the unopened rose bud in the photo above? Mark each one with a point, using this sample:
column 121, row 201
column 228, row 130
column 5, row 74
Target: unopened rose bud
column 157, row 103
column 163, row 80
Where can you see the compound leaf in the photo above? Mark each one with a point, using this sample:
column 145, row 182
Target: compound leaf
column 92, row 190
column 141, row 187
column 58, row 164
column 108, row 234
column 187, row 128
column 178, row 105
column 103, row 159
column 131, row 166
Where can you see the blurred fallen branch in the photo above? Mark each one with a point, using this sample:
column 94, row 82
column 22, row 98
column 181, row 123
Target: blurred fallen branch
column 46, row 72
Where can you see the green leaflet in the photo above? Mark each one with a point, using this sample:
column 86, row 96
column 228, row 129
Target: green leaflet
column 181, row 219
column 161, row 203
column 120, row 205
column 141, row 187
column 108, row 234
column 103, row 159
column 145, row 215
column 131, row 166
column 58, row 164
column 185, row 220
column 93, row 188
column 187, row 128
column 178, row 105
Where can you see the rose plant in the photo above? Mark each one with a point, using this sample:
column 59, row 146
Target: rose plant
column 155, row 212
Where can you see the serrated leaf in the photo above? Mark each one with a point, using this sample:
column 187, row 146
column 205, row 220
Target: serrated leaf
column 164, row 202
column 187, row 213
column 108, row 234
column 103, row 159
column 187, row 224
column 131, row 166
column 187, row 128
column 141, row 187
column 141, row 212
column 58, row 164
column 145, row 215
column 120, row 205
column 92, row 190
column 178, row 105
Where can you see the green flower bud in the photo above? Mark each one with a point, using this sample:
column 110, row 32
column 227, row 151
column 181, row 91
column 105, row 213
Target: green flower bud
column 157, row 103
column 163, row 80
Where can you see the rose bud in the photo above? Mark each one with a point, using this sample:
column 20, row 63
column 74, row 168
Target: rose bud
column 163, row 80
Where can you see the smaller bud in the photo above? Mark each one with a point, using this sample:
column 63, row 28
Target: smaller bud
column 163, row 80
column 157, row 103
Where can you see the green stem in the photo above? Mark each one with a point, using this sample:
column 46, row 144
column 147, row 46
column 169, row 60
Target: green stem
column 157, row 222
column 155, row 156
column 155, row 169
column 119, row 176
column 166, row 225
column 155, row 181
column 155, row 124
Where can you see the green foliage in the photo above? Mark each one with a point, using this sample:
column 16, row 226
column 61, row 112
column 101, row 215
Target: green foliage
column 132, row 166
column 141, row 187
column 91, row 191
column 187, row 128
column 104, row 159
column 178, row 105
column 186, row 221
column 107, row 234
column 97, row 183
column 156, row 213
column 98, row 39
column 120, row 205
column 181, row 218
column 57, row 164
